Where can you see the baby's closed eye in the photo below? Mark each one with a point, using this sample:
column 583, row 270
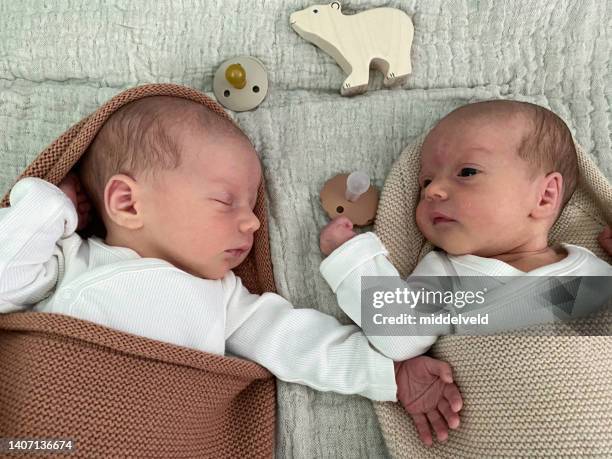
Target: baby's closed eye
column 223, row 198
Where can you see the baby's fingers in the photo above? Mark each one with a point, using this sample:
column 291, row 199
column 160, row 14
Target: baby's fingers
column 422, row 427
column 439, row 425
column 439, row 368
column 342, row 222
column 453, row 397
column 451, row 418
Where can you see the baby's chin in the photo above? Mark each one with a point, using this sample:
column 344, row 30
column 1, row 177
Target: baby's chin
column 451, row 246
column 211, row 271
column 458, row 248
column 456, row 251
column 222, row 265
column 449, row 239
column 235, row 263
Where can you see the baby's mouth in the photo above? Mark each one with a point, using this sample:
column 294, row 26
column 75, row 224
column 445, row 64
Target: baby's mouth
column 238, row 251
column 235, row 252
column 439, row 218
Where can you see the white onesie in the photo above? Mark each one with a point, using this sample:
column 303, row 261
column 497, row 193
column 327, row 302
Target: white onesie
column 509, row 301
column 47, row 267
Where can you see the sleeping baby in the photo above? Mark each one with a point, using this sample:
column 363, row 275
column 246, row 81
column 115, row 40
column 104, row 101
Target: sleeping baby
column 175, row 185
column 494, row 177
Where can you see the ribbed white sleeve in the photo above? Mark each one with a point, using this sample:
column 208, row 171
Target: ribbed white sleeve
column 39, row 215
column 305, row 346
column 365, row 255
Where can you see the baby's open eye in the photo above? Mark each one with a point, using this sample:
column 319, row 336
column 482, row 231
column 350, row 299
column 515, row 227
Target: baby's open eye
column 467, row 172
column 425, row 183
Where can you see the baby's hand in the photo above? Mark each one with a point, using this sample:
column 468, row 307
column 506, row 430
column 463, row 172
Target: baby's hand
column 426, row 390
column 335, row 233
column 71, row 185
column 605, row 239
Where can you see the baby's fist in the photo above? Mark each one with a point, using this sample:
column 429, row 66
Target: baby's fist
column 335, row 233
column 71, row 186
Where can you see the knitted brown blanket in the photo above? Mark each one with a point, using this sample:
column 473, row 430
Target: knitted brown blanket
column 120, row 395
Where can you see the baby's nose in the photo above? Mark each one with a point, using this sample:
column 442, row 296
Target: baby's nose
column 250, row 224
column 435, row 190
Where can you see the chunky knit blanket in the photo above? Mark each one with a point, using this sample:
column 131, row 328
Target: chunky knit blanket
column 542, row 391
column 59, row 61
column 118, row 395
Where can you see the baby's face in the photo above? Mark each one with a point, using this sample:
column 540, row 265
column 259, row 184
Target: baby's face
column 200, row 216
column 476, row 192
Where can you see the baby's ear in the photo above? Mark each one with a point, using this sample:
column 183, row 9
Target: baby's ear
column 550, row 194
column 121, row 202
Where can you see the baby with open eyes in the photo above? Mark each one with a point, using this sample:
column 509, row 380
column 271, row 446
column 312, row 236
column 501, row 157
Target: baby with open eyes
column 494, row 177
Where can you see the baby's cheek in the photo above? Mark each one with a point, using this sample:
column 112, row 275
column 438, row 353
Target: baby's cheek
column 479, row 211
column 421, row 220
column 469, row 211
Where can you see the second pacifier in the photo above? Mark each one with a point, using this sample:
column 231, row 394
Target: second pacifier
column 351, row 196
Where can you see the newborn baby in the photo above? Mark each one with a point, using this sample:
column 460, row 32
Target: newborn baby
column 175, row 185
column 494, row 177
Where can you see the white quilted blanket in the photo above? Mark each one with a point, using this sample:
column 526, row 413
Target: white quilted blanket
column 60, row 60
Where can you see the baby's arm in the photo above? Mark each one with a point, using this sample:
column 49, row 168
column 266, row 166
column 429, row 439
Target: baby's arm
column 304, row 345
column 308, row 347
column 364, row 255
column 30, row 260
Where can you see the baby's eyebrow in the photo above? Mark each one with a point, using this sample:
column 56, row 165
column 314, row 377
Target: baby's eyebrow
column 484, row 150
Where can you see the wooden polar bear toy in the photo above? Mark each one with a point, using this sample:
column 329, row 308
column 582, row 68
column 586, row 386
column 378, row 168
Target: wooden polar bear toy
column 380, row 38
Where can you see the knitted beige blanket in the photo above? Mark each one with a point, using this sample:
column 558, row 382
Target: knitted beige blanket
column 540, row 392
